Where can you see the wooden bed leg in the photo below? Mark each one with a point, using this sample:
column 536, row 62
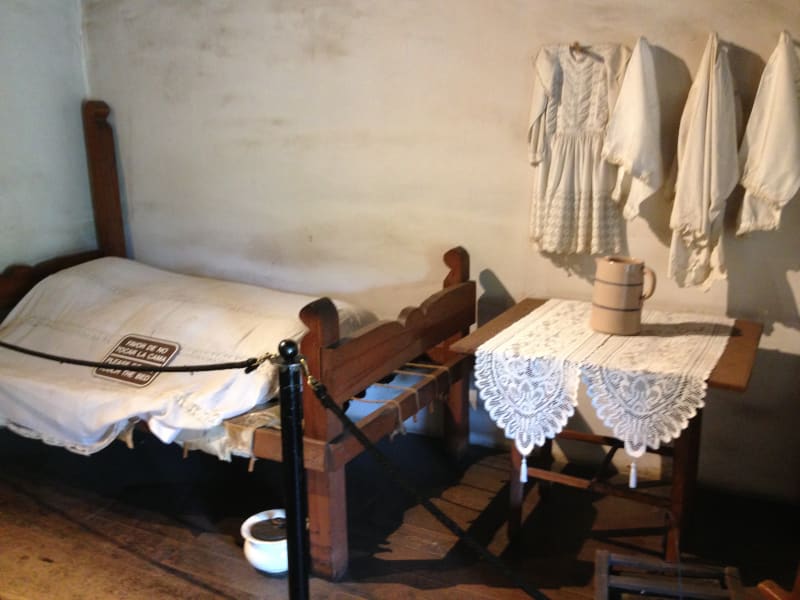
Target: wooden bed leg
column 327, row 498
column 327, row 512
column 456, row 415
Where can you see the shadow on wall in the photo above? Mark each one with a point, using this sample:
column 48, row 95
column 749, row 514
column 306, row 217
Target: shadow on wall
column 746, row 68
column 673, row 80
column 749, row 440
column 495, row 297
column 758, row 267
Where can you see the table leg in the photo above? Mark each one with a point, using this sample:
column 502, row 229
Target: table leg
column 516, row 492
column 684, row 480
column 516, row 489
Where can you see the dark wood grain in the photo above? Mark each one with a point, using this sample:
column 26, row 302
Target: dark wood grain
column 101, row 157
column 735, row 366
column 469, row 344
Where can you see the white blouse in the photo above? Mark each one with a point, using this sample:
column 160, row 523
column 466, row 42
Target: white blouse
column 633, row 138
column 708, row 171
column 770, row 150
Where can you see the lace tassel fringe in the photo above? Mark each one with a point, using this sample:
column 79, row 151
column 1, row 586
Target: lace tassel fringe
column 632, row 476
column 523, row 470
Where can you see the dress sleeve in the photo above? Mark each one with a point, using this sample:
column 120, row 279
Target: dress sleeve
column 770, row 150
column 543, row 69
column 633, row 135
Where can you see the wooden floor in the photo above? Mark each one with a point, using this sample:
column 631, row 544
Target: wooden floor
column 149, row 524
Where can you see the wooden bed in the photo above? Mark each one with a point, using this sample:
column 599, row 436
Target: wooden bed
column 345, row 366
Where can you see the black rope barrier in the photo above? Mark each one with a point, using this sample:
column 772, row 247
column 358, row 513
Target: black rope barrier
column 322, row 395
column 249, row 364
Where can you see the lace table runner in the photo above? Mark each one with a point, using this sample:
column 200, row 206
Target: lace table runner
column 644, row 387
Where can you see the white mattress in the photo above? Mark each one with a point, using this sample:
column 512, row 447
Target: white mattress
column 84, row 312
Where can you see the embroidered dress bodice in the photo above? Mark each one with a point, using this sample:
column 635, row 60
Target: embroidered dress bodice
column 583, row 110
column 574, row 94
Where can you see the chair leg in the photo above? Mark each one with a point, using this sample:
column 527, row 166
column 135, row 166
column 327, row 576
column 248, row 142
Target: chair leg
column 770, row 590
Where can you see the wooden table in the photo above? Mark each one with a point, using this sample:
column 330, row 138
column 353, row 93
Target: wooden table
column 732, row 372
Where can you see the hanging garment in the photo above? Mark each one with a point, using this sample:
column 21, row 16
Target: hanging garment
column 707, row 171
column 574, row 94
column 770, row 150
column 633, row 138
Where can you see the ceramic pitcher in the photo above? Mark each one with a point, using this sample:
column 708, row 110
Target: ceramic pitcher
column 618, row 294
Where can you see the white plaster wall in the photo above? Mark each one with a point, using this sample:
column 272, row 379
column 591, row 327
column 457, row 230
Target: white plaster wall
column 45, row 207
column 341, row 147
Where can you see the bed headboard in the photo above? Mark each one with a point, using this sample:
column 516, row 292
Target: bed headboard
column 101, row 158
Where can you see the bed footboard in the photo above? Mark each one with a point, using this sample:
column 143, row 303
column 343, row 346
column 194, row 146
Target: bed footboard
column 347, row 366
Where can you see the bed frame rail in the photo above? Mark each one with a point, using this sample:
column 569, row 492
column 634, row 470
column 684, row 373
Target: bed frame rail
column 353, row 364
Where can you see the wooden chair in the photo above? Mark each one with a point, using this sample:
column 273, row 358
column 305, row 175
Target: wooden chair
column 772, row 591
column 616, row 574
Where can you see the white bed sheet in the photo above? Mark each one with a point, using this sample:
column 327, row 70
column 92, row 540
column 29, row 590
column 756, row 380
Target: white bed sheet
column 84, row 311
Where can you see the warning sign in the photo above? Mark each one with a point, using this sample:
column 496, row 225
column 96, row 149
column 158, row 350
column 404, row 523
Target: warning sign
column 139, row 351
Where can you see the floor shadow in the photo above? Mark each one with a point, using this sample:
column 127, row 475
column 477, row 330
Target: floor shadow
column 757, row 536
column 194, row 491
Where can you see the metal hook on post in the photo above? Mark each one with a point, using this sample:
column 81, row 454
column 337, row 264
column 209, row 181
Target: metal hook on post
column 294, row 474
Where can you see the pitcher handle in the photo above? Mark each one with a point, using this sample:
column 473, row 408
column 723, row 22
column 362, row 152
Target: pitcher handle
column 651, row 291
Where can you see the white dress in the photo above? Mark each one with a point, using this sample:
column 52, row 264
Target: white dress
column 574, row 94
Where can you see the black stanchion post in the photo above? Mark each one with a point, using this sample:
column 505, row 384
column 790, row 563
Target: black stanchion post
column 294, row 474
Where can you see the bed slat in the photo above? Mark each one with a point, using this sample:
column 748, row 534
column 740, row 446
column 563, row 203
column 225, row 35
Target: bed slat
column 354, row 364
